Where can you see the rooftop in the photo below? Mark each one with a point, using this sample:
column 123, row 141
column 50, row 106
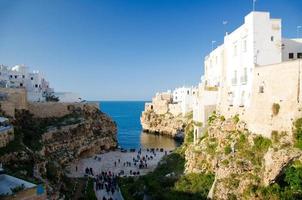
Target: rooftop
column 8, row 182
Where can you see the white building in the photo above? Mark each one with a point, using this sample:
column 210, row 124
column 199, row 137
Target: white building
column 19, row 76
column 68, row 97
column 204, row 104
column 184, row 97
column 257, row 42
column 231, row 66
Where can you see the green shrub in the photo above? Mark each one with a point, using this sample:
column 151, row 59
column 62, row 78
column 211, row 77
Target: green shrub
column 212, row 118
column 195, row 183
column 227, row 149
column 225, row 162
column 275, row 109
column 298, row 133
column 222, row 118
column 261, row 144
column 211, row 146
column 236, row 118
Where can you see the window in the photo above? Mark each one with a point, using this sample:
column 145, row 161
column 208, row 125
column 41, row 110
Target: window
column 244, row 46
column 299, row 55
column 235, row 50
column 16, row 76
column 188, row 92
column 234, row 79
column 291, row 55
column 21, row 84
column 261, row 89
column 36, row 85
column 11, row 76
column 272, row 38
column 31, row 78
column 23, row 76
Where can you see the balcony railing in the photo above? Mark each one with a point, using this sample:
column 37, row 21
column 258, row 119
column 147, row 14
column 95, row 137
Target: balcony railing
column 243, row 80
column 234, row 81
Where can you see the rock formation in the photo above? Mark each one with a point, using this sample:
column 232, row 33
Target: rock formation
column 44, row 146
column 240, row 160
column 94, row 133
column 166, row 124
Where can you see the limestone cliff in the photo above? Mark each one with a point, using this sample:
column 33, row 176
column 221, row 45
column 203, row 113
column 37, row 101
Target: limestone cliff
column 244, row 164
column 166, row 124
column 43, row 146
column 93, row 133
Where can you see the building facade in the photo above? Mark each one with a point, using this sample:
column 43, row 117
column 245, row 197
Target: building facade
column 234, row 67
column 19, row 76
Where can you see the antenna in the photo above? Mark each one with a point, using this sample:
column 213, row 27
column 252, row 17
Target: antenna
column 213, row 42
column 298, row 31
column 254, row 5
column 225, row 23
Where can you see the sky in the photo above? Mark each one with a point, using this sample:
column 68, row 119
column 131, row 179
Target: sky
column 124, row 49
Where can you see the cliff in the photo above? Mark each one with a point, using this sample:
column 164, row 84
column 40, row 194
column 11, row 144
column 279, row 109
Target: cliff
column 44, row 143
column 91, row 134
column 166, row 124
column 246, row 165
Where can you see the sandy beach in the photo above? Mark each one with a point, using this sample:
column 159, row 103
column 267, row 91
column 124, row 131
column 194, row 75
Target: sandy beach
column 109, row 161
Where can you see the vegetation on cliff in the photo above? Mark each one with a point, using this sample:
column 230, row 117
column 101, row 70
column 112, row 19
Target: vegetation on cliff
column 248, row 166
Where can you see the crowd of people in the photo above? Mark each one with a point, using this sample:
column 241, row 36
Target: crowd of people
column 106, row 182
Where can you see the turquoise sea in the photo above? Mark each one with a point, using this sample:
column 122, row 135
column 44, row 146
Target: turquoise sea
column 127, row 116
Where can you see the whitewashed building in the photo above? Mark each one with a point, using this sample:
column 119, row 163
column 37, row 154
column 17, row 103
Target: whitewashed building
column 68, row 97
column 19, row 76
column 184, row 96
column 257, row 42
column 230, row 67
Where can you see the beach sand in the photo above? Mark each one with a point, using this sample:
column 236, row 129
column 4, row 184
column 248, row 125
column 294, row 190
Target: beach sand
column 105, row 162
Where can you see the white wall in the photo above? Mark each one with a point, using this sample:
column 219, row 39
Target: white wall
column 68, row 97
column 291, row 46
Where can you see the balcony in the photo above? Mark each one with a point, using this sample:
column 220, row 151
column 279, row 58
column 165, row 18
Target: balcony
column 234, row 81
column 243, row 80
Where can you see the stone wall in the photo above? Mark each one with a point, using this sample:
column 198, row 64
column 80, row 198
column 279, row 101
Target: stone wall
column 12, row 99
column 278, row 84
column 55, row 109
column 175, row 109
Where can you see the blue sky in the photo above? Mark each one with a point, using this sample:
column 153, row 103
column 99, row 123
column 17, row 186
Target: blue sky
column 124, row 49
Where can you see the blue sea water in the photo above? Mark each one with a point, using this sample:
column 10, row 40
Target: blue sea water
column 127, row 116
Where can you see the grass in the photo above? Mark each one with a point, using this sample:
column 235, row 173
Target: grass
column 298, row 133
column 227, row 149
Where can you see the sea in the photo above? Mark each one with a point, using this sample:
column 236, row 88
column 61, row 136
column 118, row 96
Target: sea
column 130, row 135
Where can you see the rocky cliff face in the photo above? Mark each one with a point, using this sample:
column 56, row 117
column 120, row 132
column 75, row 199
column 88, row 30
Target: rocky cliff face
column 94, row 133
column 166, row 124
column 43, row 146
column 242, row 162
